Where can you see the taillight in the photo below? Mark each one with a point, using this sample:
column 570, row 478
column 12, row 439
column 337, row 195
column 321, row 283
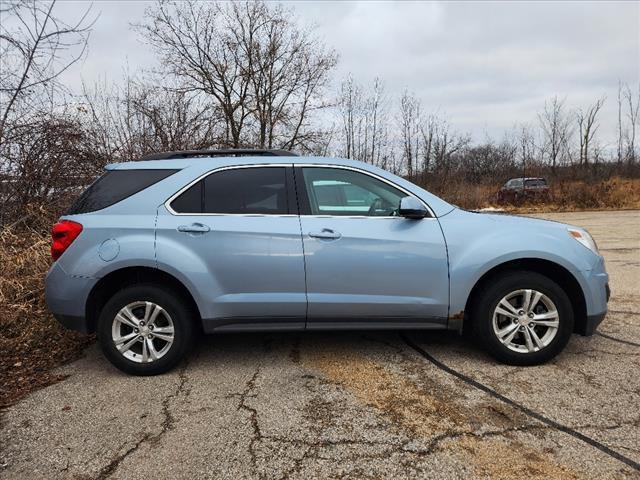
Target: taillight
column 63, row 233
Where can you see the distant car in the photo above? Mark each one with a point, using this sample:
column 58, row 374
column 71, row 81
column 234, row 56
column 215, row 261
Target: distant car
column 158, row 251
column 520, row 189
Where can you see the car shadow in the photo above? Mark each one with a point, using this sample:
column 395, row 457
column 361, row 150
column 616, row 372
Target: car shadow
column 394, row 340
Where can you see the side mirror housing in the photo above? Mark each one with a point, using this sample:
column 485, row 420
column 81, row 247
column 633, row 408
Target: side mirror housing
column 411, row 207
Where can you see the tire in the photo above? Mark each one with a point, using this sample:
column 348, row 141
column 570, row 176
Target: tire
column 513, row 286
column 173, row 320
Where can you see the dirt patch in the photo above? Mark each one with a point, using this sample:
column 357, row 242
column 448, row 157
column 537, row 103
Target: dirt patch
column 430, row 412
column 417, row 411
column 499, row 459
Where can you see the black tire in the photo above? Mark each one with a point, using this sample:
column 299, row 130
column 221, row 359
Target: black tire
column 489, row 297
column 179, row 312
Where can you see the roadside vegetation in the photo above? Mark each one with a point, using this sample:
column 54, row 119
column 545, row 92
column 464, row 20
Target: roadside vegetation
column 32, row 343
column 242, row 75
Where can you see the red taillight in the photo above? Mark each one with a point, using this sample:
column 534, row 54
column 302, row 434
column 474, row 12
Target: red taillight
column 63, row 234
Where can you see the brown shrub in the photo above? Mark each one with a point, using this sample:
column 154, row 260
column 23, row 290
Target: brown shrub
column 32, row 342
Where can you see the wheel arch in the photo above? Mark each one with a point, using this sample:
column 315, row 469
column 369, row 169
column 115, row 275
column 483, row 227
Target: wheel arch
column 554, row 271
column 119, row 279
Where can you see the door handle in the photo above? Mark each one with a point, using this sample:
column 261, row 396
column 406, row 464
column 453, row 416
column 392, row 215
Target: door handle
column 194, row 228
column 326, row 234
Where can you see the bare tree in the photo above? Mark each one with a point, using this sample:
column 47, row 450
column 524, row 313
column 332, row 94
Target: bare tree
column 350, row 105
column 33, row 47
column 633, row 106
column 363, row 114
column 137, row 118
column 620, row 139
column 439, row 146
column 526, row 147
column 588, row 126
column 556, row 129
column 410, row 121
column 261, row 71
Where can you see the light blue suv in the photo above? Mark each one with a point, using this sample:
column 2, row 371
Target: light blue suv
column 158, row 250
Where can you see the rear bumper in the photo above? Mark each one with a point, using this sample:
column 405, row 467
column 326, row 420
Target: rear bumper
column 73, row 323
column 66, row 296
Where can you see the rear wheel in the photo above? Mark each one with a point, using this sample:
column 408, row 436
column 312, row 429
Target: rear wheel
column 523, row 318
column 145, row 330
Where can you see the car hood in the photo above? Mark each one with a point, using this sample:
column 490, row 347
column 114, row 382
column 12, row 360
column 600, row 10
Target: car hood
column 507, row 220
column 508, row 237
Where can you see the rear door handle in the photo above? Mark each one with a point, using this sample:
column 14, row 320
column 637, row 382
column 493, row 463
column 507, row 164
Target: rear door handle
column 194, row 228
column 326, row 234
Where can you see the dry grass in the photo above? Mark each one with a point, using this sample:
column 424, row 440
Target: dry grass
column 32, row 342
column 567, row 195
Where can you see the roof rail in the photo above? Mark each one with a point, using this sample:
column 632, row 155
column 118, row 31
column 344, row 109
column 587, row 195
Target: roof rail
column 229, row 152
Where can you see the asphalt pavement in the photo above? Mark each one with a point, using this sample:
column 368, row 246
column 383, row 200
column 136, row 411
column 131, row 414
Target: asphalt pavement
column 353, row 405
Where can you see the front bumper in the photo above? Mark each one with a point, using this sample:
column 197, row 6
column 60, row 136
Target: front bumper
column 596, row 290
column 594, row 320
column 592, row 323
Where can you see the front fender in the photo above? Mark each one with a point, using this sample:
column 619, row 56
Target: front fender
column 477, row 243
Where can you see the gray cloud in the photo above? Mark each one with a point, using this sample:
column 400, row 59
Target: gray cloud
column 487, row 65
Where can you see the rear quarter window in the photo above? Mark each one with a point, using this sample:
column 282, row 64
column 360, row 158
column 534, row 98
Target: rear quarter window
column 536, row 182
column 114, row 186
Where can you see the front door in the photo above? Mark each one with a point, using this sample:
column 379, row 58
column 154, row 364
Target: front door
column 366, row 266
column 236, row 235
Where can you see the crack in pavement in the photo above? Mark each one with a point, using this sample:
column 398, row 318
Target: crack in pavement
column 495, row 394
column 168, row 423
column 616, row 339
column 625, row 312
column 253, row 416
column 313, row 450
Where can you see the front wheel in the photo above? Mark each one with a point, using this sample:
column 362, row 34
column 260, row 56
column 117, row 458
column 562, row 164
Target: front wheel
column 523, row 318
column 145, row 330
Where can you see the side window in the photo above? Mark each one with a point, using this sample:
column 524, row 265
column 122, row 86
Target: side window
column 339, row 192
column 255, row 190
column 190, row 201
column 115, row 186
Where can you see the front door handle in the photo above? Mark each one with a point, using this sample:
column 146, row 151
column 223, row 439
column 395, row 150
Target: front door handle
column 326, row 234
column 194, row 228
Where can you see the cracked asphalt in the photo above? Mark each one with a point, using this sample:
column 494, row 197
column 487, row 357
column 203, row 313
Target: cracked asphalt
column 353, row 405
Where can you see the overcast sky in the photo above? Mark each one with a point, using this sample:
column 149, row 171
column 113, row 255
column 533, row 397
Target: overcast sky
column 486, row 65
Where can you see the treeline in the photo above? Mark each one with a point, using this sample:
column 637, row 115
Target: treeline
column 234, row 75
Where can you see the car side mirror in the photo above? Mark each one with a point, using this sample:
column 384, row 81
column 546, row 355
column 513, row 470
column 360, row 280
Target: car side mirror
column 411, row 207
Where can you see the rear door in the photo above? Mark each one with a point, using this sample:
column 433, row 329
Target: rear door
column 235, row 234
column 365, row 265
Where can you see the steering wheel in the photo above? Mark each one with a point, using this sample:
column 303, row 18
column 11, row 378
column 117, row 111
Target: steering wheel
column 377, row 204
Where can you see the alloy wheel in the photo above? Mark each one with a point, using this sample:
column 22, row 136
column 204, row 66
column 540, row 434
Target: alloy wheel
column 142, row 332
column 525, row 321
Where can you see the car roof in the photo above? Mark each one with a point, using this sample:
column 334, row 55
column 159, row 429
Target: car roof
column 213, row 162
column 527, row 178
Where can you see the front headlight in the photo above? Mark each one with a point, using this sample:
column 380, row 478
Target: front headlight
column 584, row 238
